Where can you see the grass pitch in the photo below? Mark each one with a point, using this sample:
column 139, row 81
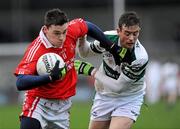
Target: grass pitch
column 156, row 116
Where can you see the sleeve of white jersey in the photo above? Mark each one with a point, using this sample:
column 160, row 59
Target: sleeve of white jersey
column 88, row 49
column 83, row 48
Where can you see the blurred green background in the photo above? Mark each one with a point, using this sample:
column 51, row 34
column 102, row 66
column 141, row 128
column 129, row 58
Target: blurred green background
column 156, row 116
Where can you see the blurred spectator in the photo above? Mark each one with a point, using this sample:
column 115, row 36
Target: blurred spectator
column 169, row 82
column 178, row 85
column 153, row 80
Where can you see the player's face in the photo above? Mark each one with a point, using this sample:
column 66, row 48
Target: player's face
column 128, row 35
column 56, row 34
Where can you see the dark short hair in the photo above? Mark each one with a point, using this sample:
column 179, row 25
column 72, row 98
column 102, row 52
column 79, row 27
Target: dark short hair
column 129, row 19
column 55, row 17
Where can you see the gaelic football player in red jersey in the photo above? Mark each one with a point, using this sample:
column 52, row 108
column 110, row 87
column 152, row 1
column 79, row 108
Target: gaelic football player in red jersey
column 47, row 97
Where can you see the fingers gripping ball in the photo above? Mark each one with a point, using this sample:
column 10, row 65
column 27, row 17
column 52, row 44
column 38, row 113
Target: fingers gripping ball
column 83, row 67
column 51, row 64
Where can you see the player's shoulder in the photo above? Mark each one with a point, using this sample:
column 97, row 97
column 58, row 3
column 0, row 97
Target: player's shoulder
column 36, row 43
column 76, row 21
column 35, row 47
column 112, row 35
column 77, row 27
column 139, row 46
column 140, row 51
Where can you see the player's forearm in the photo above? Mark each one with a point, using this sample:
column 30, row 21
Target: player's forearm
column 96, row 33
column 88, row 49
column 83, row 47
column 27, row 82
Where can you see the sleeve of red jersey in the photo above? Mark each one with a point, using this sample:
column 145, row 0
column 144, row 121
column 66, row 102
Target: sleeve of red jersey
column 78, row 27
column 26, row 66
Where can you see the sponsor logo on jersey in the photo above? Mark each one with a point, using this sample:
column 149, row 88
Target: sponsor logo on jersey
column 110, row 72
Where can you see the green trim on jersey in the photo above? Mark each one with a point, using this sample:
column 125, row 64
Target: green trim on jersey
column 123, row 52
column 109, row 71
column 114, row 38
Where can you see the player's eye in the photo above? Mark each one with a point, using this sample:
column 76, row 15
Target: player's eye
column 57, row 33
column 135, row 33
column 127, row 33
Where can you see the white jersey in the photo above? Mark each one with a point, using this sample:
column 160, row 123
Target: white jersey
column 124, row 80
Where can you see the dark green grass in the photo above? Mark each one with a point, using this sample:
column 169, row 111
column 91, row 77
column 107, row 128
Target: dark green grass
column 9, row 118
column 159, row 116
column 156, row 116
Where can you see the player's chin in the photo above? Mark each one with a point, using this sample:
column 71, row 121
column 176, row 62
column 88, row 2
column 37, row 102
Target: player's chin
column 59, row 44
column 129, row 46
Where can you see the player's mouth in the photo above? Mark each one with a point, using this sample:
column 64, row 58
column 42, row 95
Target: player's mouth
column 130, row 44
column 60, row 42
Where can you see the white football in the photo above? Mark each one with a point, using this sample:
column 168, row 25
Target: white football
column 47, row 61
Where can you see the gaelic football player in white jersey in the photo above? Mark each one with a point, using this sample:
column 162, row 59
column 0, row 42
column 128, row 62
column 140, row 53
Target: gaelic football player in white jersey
column 120, row 87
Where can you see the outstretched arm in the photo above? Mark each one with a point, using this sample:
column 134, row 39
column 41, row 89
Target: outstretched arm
column 85, row 68
column 131, row 75
column 88, row 49
column 96, row 33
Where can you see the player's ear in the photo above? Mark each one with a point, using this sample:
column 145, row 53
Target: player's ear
column 45, row 29
column 118, row 30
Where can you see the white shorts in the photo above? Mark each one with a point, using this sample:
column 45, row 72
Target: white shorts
column 52, row 114
column 106, row 107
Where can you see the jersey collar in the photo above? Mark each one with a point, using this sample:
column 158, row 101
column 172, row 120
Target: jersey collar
column 44, row 39
column 119, row 42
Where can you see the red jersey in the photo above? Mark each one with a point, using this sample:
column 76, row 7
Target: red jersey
column 60, row 89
